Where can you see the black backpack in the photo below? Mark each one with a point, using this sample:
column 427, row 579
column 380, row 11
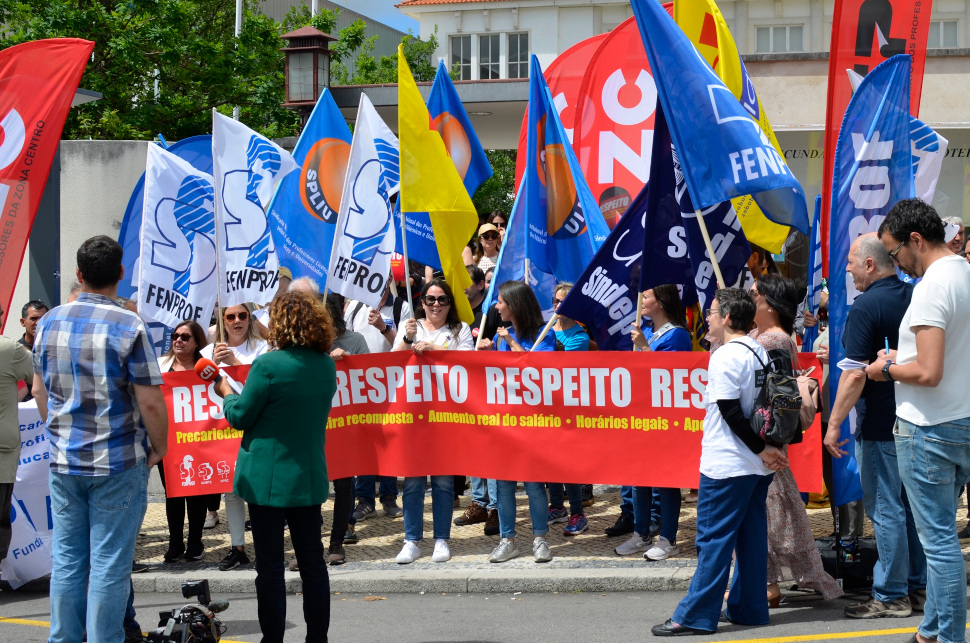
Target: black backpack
column 776, row 416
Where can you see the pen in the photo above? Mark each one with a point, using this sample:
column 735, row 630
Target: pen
column 887, row 347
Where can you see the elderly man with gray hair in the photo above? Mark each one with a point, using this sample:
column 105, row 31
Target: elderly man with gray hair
column 899, row 577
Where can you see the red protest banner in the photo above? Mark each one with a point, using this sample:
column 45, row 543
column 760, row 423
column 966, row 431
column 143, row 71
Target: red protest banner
column 602, row 417
column 865, row 33
column 37, row 84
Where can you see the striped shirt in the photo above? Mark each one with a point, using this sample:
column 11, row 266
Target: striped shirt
column 90, row 354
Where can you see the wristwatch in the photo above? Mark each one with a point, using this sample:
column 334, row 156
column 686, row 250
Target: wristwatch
column 885, row 371
column 408, row 340
column 387, row 328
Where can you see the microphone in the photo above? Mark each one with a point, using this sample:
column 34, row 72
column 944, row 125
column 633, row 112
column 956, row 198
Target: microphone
column 218, row 605
column 207, row 370
column 475, row 333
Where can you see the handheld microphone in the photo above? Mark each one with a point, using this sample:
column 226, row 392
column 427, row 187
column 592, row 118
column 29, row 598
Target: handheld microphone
column 218, row 605
column 208, row 371
column 475, row 333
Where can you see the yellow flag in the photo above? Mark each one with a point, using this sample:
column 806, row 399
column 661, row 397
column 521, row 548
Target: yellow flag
column 430, row 183
column 704, row 25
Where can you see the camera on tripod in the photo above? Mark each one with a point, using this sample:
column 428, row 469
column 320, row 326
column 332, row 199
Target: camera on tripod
column 192, row 623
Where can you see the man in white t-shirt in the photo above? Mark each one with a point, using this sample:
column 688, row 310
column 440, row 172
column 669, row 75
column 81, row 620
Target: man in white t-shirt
column 736, row 469
column 932, row 406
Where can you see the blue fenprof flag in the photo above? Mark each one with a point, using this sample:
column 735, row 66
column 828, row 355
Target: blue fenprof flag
column 814, row 278
column 303, row 212
column 725, row 154
column 873, row 170
column 673, row 245
column 564, row 222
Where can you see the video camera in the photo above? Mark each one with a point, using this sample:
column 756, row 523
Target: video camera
column 193, row 623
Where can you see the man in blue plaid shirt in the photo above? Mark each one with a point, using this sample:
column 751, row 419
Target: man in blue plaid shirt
column 96, row 383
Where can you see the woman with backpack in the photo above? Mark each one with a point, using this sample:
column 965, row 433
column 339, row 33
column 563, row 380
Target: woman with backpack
column 791, row 544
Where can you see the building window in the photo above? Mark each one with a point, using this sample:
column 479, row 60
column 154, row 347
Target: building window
column 461, row 55
column 782, row 38
column 489, row 64
column 518, row 55
column 943, row 34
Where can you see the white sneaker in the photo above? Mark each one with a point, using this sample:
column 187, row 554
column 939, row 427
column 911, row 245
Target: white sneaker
column 441, row 552
column 211, row 520
column 635, row 545
column 540, row 550
column 662, row 550
column 409, row 553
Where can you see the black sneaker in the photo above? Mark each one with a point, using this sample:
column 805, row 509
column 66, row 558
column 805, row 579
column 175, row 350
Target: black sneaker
column 193, row 554
column 622, row 527
column 351, row 538
column 964, row 534
column 587, row 490
column 137, row 568
column 363, row 510
column 233, row 559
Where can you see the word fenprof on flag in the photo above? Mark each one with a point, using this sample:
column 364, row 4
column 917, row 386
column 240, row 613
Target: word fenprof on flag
column 430, row 183
column 724, row 153
column 873, row 170
column 177, row 270
column 246, row 168
column 37, row 84
column 703, row 23
column 303, row 212
column 360, row 262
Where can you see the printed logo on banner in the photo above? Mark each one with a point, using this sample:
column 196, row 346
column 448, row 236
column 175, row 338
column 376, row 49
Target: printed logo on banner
column 189, row 219
column 875, row 25
column 187, row 471
column 263, row 164
column 370, row 214
column 321, row 191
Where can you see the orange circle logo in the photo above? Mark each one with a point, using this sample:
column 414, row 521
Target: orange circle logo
column 456, row 141
column 322, row 178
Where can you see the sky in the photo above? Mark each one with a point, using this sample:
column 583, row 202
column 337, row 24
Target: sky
column 382, row 11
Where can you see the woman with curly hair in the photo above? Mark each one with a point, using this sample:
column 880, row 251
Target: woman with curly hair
column 281, row 470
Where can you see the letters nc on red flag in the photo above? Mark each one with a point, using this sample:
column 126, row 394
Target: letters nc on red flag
column 37, row 84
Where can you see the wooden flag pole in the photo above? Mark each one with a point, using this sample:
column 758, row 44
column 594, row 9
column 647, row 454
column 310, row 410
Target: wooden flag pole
column 545, row 331
column 639, row 317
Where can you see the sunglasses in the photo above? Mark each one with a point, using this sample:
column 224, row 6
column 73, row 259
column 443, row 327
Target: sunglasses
column 556, row 302
column 231, row 317
column 498, row 225
column 183, row 336
column 441, row 300
column 490, row 236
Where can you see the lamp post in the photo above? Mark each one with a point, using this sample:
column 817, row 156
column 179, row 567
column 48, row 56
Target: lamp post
column 307, row 69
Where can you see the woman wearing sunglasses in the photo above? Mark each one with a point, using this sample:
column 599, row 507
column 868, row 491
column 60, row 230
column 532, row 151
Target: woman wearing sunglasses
column 489, row 243
column 238, row 344
column 518, row 304
column 440, row 329
column 188, row 338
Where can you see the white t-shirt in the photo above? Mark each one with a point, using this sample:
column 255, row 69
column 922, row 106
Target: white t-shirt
column 376, row 342
column 731, row 376
column 245, row 353
column 262, row 315
column 942, row 300
column 442, row 337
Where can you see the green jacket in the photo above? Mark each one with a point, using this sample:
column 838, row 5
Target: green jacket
column 282, row 413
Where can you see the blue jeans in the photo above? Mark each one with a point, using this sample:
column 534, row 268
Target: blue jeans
column 538, row 508
column 485, row 493
column 646, row 500
column 442, row 506
column 626, row 501
column 96, row 520
column 731, row 517
column 901, row 567
column 573, row 491
column 365, row 487
column 934, row 463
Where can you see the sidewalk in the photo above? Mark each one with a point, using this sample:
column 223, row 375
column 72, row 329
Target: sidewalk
column 581, row 563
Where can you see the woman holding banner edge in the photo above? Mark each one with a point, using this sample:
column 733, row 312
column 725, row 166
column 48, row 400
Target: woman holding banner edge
column 518, row 304
column 440, row 329
column 282, row 468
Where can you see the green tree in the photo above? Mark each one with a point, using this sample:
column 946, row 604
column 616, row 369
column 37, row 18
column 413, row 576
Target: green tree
column 498, row 191
column 162, row 65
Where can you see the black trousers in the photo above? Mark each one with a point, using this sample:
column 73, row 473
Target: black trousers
column 343, row 507
column 6, row 531
column 305, row 524
column 175, row 510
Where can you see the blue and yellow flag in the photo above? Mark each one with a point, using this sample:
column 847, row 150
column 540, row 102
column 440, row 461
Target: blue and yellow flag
column 430, row 183
column 704, row 26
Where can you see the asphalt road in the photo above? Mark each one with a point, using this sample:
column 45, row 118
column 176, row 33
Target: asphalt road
column 493, row 618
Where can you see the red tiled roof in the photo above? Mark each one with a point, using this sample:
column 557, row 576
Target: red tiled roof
column 417, row 3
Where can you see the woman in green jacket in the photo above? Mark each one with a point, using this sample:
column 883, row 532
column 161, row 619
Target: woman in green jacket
column 281, row 470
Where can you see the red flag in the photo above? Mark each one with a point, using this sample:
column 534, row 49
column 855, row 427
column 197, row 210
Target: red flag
column 37, row 84
column 865, row 33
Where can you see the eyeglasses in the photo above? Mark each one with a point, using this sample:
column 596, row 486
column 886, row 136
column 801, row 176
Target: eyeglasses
column 231, row 317
column 183, row 336
column 892, row 255
column 556, row 302
column 711, row 311
column 490, row 236
column 500, row 226
column 441, row 300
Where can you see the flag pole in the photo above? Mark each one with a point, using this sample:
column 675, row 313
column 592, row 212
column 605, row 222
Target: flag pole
column 481, row 328
column 710, row 248
column 218, row 197
column 404, row 251
column 545, row 331
column 639, row 317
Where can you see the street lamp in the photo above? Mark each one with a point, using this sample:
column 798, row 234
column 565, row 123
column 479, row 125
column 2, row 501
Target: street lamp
column 307, row 69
